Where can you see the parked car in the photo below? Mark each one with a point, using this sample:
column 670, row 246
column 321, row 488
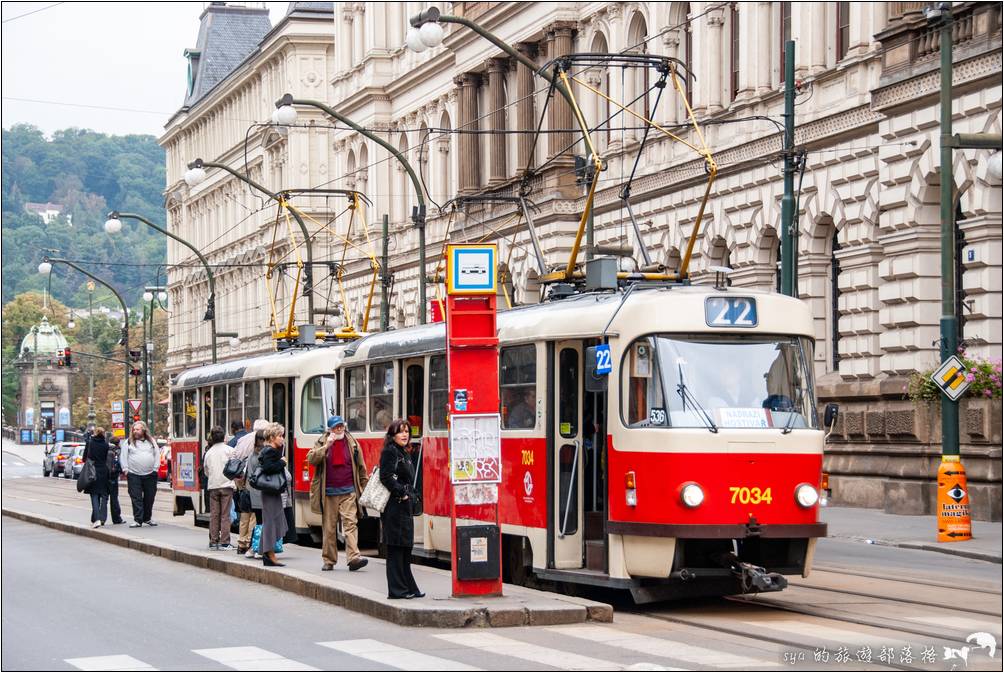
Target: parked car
column 74, row 462
column 164, row 471
column 55, row 457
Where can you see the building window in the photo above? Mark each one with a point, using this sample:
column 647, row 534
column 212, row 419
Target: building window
column 734, row 57
column 785, row 31
column 843, row 29
column 688, row 55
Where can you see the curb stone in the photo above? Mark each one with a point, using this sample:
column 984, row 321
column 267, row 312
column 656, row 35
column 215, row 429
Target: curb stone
column 925, row 546
column 356, row 599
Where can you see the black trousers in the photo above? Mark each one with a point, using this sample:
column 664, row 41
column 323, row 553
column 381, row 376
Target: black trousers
column 400, row 581
column 142, row 489
column 113, row 498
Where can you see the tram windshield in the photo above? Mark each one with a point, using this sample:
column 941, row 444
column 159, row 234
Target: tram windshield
column 719, row 382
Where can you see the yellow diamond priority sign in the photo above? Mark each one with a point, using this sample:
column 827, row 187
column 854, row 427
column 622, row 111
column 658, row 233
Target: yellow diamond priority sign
column 951, row 378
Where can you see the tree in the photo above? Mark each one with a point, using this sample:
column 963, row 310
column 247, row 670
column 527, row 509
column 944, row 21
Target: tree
column 26, row 310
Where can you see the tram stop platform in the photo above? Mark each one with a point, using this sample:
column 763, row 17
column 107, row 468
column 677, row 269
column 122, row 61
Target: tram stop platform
column 362, row 591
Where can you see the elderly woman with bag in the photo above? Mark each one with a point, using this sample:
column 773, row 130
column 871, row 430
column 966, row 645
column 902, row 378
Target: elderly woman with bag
column 397, row 524
column 270, row 478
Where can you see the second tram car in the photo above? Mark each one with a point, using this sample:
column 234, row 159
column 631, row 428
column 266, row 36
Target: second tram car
column 692, row 468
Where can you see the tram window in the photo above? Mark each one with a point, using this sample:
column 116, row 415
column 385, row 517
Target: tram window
column 279, row 403
column 568, row 395
column 518, row 386
column 219, row 407
column 177, row 415
column 317, row 403
column 191, row 414
column 439, row 392
column 355, row 399
column 381, row 396
column 235, row 412
column 643, row 389
column 414, row 403
column 252, row 403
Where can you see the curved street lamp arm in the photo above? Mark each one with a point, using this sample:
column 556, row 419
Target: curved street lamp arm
column 199, row 163
column 125, row 312
column 211, row 310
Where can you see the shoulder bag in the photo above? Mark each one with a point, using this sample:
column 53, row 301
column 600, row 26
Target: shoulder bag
column 375, row 495
column 273, row 484
column 88, row 475
column 233, row 468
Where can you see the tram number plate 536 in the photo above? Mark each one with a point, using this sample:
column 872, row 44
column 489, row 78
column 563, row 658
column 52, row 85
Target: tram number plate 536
column 750, row 496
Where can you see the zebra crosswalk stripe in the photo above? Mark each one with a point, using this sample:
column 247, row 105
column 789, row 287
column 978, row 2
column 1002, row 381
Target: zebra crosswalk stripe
column 253, row 659
column 698, row 657
column 495, row 644
column 398, row 657
column 114, row 662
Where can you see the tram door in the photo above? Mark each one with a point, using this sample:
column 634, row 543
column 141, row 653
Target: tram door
column 568, row 459
column 413, row 410
column 280, row 410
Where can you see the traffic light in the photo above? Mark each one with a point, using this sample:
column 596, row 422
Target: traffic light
column 67, row 357
column 136, row 418
column 61, row 358
column 134, row 355
column 135, row 371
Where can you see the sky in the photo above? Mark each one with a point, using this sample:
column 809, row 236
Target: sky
column 122, row 55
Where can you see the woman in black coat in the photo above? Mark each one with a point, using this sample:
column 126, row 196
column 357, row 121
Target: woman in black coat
column 96, row 450
column 273, row 520
column 397, row 474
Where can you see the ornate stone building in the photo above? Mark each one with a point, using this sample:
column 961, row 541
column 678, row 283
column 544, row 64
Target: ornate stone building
column 38, row 370
column 866, row 116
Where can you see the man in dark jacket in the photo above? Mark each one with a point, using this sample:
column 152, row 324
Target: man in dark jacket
column 339, row 477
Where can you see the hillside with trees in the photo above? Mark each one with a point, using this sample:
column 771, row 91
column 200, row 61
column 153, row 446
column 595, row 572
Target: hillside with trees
column 89, row 174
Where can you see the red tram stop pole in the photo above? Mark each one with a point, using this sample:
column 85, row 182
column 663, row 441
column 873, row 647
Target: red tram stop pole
column 475, row 442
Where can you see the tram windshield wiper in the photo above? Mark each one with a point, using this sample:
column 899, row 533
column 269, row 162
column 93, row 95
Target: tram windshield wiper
column 793, row 413
column 687, row 396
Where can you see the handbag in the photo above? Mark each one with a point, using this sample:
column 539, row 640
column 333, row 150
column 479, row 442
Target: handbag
column 88, row 475
column 244, row 500
column 375, row 495
column 273, row 484
column 256, row 542
column 233, row 468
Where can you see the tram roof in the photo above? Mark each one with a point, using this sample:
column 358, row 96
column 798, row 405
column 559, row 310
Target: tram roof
column 271, row 365
column 587, row 315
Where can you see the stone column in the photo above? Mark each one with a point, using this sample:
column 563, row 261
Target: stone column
column 359, row 35
column 716, row 20
column 764, row 53
column 469, row 159
column 525, row 116
column 671, row 98
column 345, row 48
column 559, row 43
column 497, row 70
column 817, row 18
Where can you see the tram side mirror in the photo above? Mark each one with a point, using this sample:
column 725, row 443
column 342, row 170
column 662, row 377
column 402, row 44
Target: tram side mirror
column 830, row 415
column 595, row 381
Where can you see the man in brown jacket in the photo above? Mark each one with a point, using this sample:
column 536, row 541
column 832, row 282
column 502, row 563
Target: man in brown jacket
column 339, row 477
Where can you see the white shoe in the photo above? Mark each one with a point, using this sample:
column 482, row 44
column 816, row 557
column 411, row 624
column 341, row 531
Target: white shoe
column 96, row 524
column 249, row 553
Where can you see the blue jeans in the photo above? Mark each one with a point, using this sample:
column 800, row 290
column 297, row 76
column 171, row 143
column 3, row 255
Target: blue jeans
column 99, row 507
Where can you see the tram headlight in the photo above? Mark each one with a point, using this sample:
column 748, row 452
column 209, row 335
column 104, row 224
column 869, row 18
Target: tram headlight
column 806, row 495
column 692, row 495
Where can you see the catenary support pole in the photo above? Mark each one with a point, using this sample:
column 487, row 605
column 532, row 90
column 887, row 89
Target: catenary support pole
column 385, row 276
column 788, row 258
column 949, row 325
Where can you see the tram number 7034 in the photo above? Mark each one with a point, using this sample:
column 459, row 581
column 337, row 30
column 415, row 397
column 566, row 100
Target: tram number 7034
column 750, row 496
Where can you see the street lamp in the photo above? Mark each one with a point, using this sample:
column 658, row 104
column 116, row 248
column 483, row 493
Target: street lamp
column 285, row 110
column 196, row 174
column 114, row 224
column 45, row 268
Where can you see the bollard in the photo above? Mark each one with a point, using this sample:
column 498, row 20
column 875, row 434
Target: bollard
column 954, row 523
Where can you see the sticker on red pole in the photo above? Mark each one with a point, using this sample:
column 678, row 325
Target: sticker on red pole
column 475, row 449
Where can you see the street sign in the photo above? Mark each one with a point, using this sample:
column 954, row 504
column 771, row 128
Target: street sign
column 116, row 405
column 950, row 378
column 118, row 418
column 604, row 365
column 135, row 404
column 471, row 269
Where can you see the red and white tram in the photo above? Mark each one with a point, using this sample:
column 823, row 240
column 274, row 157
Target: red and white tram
column 692, row 468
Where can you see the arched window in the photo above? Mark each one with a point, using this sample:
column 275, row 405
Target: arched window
column 843, row 29
column 599, row 79
column 638, row 79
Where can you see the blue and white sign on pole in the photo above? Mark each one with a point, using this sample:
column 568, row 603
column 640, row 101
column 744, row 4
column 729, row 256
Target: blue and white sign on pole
column 604, row 365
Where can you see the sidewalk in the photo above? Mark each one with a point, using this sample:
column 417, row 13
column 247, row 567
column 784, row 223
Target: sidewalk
column 31, row 453
column 873, row 526
column 364, row 591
